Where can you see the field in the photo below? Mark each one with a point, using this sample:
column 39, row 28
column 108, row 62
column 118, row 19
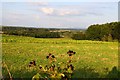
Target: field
column 93, row 59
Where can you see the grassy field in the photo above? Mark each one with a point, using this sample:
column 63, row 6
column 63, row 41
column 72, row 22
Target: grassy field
column 93, row 59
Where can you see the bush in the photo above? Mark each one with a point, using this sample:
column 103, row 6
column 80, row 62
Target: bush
column 79, row 36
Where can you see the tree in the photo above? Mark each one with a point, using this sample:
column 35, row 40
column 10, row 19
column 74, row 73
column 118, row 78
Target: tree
column 104, row 32
column 79, row 36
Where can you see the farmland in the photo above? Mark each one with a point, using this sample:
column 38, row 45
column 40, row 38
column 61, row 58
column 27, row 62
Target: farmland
column 93, row 59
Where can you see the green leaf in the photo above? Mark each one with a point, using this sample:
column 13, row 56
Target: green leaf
column 69, row 70
column 36, row 77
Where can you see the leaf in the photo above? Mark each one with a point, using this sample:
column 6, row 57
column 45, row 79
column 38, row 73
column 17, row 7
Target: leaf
column 36, row 77
column 69, row 70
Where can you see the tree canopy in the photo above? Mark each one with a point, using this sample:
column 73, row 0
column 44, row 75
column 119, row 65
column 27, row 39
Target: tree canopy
column 104, row 32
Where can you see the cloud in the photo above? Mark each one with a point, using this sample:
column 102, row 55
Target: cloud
column 94, row 13
column 39, row 3
column 47, row 10
column 68, row 12
column 59, row 11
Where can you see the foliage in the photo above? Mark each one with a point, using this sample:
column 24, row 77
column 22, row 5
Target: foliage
column 32, row 32
column 79, row 36
column 104, row 32
column 54, row 71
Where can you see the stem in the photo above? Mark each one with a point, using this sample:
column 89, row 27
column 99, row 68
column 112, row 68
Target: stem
column 8, row 71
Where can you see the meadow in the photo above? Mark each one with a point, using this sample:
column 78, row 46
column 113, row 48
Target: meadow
column 93, row 59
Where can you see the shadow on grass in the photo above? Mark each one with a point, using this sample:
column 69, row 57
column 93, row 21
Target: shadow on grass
column 88, row 73
column 114, row 73
column 18, row 75
column 85, row 73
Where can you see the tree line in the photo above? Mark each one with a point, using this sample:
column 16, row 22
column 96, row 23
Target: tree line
column 31, row 32
column 101, row 32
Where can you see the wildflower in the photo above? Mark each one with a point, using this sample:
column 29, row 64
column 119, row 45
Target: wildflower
column 51, row 57
column 70, row 53
column 32, row 63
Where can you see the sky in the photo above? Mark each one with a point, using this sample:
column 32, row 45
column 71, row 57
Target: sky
column 54, row 14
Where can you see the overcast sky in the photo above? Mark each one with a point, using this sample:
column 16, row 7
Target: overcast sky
column 63, row 14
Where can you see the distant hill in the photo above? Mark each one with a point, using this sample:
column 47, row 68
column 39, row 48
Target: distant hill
column 40, row 32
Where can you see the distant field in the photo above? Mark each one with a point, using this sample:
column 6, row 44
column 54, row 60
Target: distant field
column 92, row 58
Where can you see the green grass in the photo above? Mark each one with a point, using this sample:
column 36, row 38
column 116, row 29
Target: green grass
column 92, row 58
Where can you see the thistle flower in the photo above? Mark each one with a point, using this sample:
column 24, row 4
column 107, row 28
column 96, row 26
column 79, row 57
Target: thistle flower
column 32, row 63
column 71, row 67
column 51, row 57
column 70, row 52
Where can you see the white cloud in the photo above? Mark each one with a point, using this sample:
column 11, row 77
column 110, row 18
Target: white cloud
column 59, row 11
column 64, row 13
column 68, row 12
column 47, row 10
column 39, row 3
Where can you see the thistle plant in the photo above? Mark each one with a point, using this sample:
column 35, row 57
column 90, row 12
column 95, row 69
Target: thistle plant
column 54, row 71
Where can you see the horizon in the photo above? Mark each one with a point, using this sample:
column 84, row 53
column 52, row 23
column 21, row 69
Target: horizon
column 77, row 15
column 51, row 27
